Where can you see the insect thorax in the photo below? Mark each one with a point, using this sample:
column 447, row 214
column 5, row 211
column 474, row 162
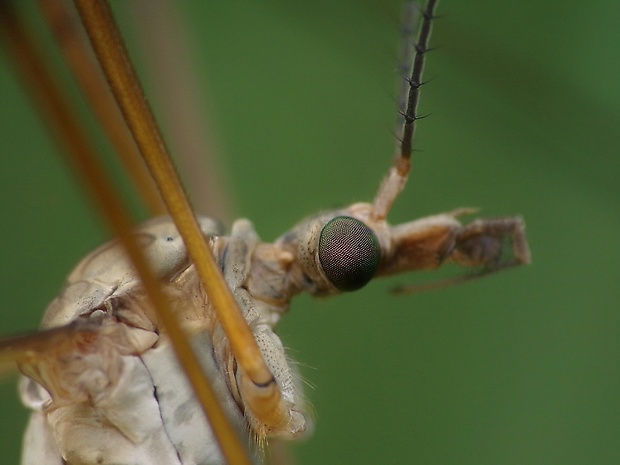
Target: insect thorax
column 120, row 397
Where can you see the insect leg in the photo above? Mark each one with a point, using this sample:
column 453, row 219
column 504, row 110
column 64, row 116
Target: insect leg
column 110, row 50
column 64, row 24
column 82, row 155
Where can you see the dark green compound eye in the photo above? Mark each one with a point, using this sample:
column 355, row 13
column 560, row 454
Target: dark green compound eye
column 349, row 253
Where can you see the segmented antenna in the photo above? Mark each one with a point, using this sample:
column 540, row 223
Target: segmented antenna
column 415, row 81
column 397, row 176
column 409, row 19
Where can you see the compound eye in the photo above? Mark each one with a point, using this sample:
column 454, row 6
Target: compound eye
column 349, row 253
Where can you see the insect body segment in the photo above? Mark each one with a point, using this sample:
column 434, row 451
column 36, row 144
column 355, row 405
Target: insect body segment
column 90, row 389
column 421, row 244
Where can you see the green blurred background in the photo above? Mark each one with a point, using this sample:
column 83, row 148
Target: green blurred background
column 524, row 104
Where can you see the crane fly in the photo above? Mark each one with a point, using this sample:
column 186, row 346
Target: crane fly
column 319, row 255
